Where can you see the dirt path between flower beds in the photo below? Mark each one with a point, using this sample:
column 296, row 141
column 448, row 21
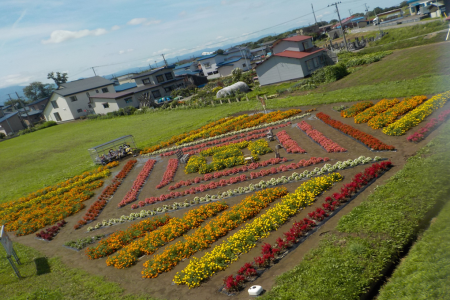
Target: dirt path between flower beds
column 161, row 287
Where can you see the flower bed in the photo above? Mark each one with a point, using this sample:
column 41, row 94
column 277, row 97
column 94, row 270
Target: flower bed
column 355, row 109
column 152, row 241
column 368, row 140
column 288, row 143
column 158, row 149
column 390, row 115
column 121, row 238
column 269, row 253
column 106, row 195
column 49, row 233
column 203, row 237
column 84, row 242
column 319, row 138
column 414, row 117
column 39, row 210
column 433, row 123
column 246, row 238
column 138, row 183
column 169, row 173
column 373, row 111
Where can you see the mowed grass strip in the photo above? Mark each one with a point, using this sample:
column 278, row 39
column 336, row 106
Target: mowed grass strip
column 425, row 272
column 372, row 235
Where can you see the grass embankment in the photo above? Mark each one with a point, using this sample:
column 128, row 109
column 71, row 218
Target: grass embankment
column 48, row 156
column 52, row 280
column 425, row 272
column 367, row 240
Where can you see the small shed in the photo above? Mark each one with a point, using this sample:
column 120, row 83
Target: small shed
column 104, row 148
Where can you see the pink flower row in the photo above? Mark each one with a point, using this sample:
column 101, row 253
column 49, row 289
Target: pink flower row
column 169, row 173
column 255, row 134
column 138, row 183
column 288, row 143
column 318, row 137
column 433, row 123
column 208, row 177
column 241, row 178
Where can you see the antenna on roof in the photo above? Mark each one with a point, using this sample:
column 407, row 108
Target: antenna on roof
column 94, row 70
column 165, row 62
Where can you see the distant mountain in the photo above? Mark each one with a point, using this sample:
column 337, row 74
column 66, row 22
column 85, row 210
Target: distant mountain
column 10, row 90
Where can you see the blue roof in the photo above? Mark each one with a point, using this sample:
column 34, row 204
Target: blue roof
column 207, row 56
column 186, row 65
column 356, row 19
column 228, row 62
column 125, row 86
column 31, row 113
column 186, row 72
column 38, row 100
column 7, row 116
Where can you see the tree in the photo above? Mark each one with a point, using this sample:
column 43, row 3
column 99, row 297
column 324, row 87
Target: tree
column 334, row 21
column 236, row 74
column 37, row 90
column 403, row 4
column 14, row 102
column 59, row 79
column 219, row 51
column 377, row 10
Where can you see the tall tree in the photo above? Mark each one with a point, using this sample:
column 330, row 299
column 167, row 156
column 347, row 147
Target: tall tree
column 58, row 79
column 37, row 90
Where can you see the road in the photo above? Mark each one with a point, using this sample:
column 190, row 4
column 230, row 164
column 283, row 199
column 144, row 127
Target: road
column 394, row 25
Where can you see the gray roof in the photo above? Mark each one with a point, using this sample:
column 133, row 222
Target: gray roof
column 154, row 71
column 39, row 100
column 7, row 116
column 31, row 113
column 82, row 85
column 268, row 43
column 258, row 49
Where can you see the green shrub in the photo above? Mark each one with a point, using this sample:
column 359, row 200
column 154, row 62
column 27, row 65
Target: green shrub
column 2, row 135
column 329, row 74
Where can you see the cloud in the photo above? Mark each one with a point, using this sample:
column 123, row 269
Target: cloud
column 126, row 51
column 182, row 14
column 143, row 21
column 14, row 79
column 59, row 36
column 161, row 51
column 219, row 37
column 115, row 27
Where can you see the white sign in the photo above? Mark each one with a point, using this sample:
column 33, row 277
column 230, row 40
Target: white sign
column 6, row 242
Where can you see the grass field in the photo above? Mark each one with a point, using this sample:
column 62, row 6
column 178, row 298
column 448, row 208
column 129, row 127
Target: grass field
column 48, row 156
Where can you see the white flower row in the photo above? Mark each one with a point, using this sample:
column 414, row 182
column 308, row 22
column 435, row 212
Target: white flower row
column 226, row 135
column 327, row 168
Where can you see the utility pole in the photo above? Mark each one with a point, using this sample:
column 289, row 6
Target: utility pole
column 24, row 108
column 165, row 62
column 340, row 22
column 350, row 12
column 367, row 10
column 94, row 70
column 314, row 14
column 156, row 64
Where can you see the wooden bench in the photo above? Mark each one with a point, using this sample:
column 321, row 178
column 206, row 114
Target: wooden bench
column 183, row 158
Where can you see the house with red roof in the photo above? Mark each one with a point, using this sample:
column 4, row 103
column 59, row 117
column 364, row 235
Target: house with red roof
column 292, row 58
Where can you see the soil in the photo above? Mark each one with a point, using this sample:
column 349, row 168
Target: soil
column 161, row 287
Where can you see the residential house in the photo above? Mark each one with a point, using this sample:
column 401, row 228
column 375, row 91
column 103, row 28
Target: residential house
column 209, row 63
column 293, row 58
column 194, row 79
column 220, row 65
column 32, row 117
column 189, row 68
column 225, row 68
column 10, row 123
column 39, row 104
column 260, row 51
column 72, row 99
column 127, row 78
column 346, row 23
column 433, row 8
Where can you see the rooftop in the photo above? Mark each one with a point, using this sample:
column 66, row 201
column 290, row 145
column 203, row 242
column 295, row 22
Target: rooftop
column 153, row 71
column 183, row 66
column 229, row 62
column 39, row 100
column 7, row 116
column 31, row 113
column 207, row 56
column 125, row 86
column 299, row 54
column 82, row 85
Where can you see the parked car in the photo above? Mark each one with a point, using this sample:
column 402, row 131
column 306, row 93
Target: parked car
column 164, row 100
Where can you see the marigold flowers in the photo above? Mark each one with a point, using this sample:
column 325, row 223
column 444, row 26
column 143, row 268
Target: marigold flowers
column 371, row 112
column 355, row 109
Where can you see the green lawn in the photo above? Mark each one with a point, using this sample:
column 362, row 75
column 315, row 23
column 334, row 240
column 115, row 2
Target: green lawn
column 52, row 280
column 425, row 272
column 352, row 258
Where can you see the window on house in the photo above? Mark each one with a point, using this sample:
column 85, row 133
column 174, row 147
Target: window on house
column 316, row 62
column 54, row 104
column 207, row 65
column 169, row 76
column 104, row 90
column 128, row 100
column 90, row 105
column 42, row 106
column 244, row 65
column 105, row 105
column 79, row 110
column 96, row 91
column 180, row 85
column 160, row 78
column 156, row 94
column 57, row 116
column 146, row 81
column 306, row 45
column 73, row 98
column 87, row 94
column 168, row 89
column 210, row 73
column 309, row 64
column 322, row 58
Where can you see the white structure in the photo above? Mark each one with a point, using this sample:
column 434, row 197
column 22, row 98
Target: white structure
column 220, row 65
column 209, row 65
column 293, row 58
column 238, row 86
column 433, row 7
column 72, row 99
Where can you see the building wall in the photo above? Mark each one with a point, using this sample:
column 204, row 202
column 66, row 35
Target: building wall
column 152, row 77
column 15, row 124
column 98, row 105
column 63, row 109
column 213, row 61
column 242, row 64
column 291, row 46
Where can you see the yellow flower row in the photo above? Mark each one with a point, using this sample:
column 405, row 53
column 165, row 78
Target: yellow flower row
column 371, row 112
column 414, row 117
column 245, row 239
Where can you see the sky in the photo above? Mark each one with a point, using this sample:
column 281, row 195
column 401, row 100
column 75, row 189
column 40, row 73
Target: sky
column 41, row 36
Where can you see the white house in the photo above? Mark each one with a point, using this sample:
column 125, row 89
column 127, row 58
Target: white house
column 433, row 7
column 72, row 99
column 209, row 65
column 293, row 58
column 225, row 68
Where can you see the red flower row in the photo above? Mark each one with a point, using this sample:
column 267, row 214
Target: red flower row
column 241, row 178
column 138, row 183
column 169, row 173
column 366, row 139
column 288, row 143
column 318, row 137
column 236, row 170
column 433, row 123
column 268, row 252
column 51, row 232
column 106, row 195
